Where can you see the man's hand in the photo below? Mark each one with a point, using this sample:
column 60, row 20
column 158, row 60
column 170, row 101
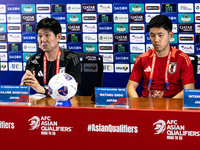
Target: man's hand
column 30, row 80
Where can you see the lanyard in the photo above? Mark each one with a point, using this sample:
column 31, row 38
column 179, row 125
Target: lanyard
column 45, row 67
column 166, row 71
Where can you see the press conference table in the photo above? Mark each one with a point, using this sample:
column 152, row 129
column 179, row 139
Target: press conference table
column 134, row 103
column 156, row 123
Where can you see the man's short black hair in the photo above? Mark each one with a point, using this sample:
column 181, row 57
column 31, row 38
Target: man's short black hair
column 161, row 21
column 49, row 23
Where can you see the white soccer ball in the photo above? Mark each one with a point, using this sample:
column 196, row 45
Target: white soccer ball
column 62, row 87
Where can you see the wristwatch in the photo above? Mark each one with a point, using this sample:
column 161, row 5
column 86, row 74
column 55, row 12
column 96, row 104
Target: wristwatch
column 46, row 90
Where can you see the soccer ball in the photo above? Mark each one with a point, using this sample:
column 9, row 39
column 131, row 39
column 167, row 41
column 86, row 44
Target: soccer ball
column 62, row 87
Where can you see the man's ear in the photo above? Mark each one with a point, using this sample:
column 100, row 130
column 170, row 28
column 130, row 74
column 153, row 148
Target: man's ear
column 171, row 34
column 59, row 36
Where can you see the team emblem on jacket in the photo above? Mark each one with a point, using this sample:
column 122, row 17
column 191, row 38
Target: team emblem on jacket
column 172, row 67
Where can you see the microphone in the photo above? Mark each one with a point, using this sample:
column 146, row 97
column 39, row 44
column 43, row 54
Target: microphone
column 33, row 65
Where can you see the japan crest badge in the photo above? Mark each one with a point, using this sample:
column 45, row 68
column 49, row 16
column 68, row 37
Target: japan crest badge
column 172, row 67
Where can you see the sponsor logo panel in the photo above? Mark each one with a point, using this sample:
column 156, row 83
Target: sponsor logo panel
column 120, row 18
column 29, row 47
column 136, row 8
column 152, row 7
column 2, row 28
column 186, row 28
column 15, row 56
column 108, row 68
column 105, row 18
column 121, row 58
column 14, row 18
column 43, row 8
column 13, row 8
column 26, row 56
column 137, row 38
column 89, row 27
column 29, row 37
column 90, row 38
column 3, row 56
column 2, row 18
column 74, row 37
column 133, row 57
column 28, row 18
column 89, row 18
column 106, row 48
column 186, row 38
column 185, row 7
column 14, row 27
column 75, row 47
column 104, row 8
column 107, row 57
column 186, row 48
column 185, row 18
column 137, row 48
column 15, row 66
column 61, row 17
column 107, row 38
column 3, row 47
column 73, row 8
column 89, row 8
column 28, row 8
column 4, row 66
column 149, row 17
column 92, row 48
column 74, row 28
column 121, row 47
column 3, row 37
column 105, row 27
column 14, row 47
column 137, row 28
column 2, row 8
column 122, row 68
column 29, row 28
column 58, row 8
column 42, row 16
column 120, row 8
column 136, row 18
column 169, row 8
column 74, row 18
column 121, row 37
column 121, row 28
column 14, row 37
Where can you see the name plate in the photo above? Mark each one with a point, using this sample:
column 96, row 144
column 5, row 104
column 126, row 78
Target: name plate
column 191, row 97
column 14, row 94
column 111, row 97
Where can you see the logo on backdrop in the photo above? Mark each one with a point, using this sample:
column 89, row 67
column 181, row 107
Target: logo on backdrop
column 34, row 123
column 173, row 130
column 160, row 126
column 47, row 125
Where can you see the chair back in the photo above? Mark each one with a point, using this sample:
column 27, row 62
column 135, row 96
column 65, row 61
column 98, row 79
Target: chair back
column 91, row 73
column 194, row 60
